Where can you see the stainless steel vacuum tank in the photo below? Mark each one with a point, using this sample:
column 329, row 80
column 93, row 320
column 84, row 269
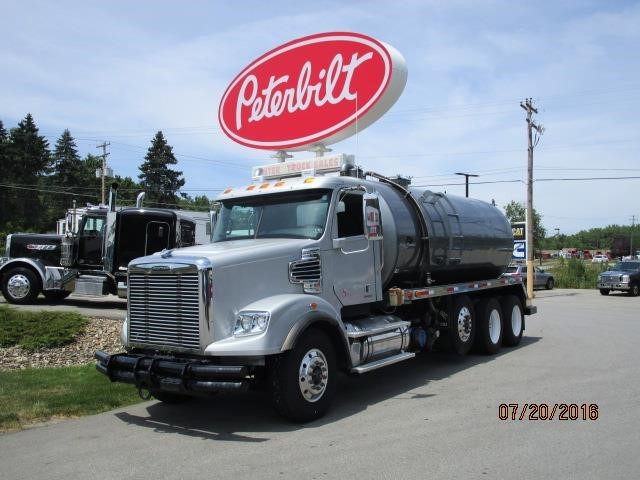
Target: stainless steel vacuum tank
column 441, row 238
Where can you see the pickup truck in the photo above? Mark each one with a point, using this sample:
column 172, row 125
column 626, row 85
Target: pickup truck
column 624, row 276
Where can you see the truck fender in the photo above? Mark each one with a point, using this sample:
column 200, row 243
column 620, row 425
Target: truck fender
column 51, row 278
column 290, row 315
column 35, row 265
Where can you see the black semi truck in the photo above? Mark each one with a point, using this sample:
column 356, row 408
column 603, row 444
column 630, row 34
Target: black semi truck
column 94, row 260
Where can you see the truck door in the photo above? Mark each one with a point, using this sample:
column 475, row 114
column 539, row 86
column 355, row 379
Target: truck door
column 90, row 240
column 353, row 260
column 157, row 237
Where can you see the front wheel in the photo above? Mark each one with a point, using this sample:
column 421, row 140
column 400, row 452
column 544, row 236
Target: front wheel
column 604, row 291
column 20, row 286
column 549, row 284
column 302, row 381
column 634, row 290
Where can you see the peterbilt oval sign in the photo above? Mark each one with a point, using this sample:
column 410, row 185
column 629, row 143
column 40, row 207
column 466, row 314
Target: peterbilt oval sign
column 315, row 90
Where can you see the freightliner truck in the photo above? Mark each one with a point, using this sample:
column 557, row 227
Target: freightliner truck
column 312, row 273
column 93, row 260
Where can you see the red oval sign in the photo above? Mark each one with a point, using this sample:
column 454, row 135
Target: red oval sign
column 314, row 90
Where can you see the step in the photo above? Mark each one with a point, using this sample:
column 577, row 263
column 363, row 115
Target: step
column 383, row 362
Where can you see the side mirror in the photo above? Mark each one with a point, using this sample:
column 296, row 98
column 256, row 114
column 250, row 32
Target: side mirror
column 341, row 207
column 372, row 217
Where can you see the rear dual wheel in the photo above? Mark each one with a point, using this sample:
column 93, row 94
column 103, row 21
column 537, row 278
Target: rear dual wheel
column 513, row 323
column 490, row 326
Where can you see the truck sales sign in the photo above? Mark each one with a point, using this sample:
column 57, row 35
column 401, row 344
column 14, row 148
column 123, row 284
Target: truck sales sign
column 313, row 91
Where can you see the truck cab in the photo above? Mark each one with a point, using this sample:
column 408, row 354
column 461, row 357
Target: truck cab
column 93, row 260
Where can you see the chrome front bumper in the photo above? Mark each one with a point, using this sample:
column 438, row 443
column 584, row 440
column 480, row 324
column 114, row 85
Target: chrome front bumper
column 613, row 285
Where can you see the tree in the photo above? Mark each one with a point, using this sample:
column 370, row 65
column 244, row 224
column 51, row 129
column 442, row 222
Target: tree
column 67, row 165
column 516, row 212
column 7, row 173
column 28, row 159
column 157, row 179
column 68, row 173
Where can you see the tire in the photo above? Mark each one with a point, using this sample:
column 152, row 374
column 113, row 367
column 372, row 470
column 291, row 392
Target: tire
column 462, row 327
column 56, row 295
column 20, row 286
column 634, row 290
column 513, row 320
column 302, row 381
column 490, row 326
column 550, row 284
column 170, row 398
column 604, row 291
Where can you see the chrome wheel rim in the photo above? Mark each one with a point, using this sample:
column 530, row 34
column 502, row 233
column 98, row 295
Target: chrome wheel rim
column 313, row 375
column 494, row 326
column 18, row 286
column 516, row 320
column 464, row 324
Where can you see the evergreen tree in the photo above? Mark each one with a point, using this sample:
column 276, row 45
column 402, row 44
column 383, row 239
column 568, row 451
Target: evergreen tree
column 7, row 173
column 67, row 174
column 29, row 158
column 67, row 170
column 157, row 179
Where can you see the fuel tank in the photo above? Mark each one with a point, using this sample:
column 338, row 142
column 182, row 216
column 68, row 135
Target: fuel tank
column 441, row 237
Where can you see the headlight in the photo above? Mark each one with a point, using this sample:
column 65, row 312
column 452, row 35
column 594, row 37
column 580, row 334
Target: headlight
column 625, row 278
column 251, row 323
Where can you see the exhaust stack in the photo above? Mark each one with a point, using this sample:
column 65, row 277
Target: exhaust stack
column 113, row 194
column 140, row 199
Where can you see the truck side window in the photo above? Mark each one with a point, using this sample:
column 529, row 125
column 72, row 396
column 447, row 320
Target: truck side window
column 187, row 234
column 350, row 222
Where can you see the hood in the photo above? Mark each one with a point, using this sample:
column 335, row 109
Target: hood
column 235, row 252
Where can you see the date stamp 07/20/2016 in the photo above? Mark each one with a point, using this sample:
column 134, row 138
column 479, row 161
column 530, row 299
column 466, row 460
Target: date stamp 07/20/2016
column 548, row 411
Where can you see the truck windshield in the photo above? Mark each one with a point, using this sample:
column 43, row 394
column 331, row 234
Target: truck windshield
column 286, row 215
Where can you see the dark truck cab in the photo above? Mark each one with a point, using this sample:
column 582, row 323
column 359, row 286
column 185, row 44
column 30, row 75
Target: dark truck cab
column 93, row 261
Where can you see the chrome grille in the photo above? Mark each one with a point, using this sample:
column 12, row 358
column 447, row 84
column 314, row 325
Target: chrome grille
column 164, row 309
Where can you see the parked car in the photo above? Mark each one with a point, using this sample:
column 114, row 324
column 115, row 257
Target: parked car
column 624, row 276
column 540, row 278
column 600, row 259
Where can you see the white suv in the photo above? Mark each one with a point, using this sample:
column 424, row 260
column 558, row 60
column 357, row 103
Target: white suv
column 599, row 259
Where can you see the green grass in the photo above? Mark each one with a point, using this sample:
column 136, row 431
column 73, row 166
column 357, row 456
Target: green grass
column 36, row 395
column 575, row 273
column 36, row 330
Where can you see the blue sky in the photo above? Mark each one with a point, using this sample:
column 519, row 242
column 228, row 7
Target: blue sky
column 119, row 71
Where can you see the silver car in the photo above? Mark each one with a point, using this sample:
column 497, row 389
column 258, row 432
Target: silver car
column 540, row 278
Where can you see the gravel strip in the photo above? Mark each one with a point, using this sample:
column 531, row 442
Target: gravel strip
column 100, row 334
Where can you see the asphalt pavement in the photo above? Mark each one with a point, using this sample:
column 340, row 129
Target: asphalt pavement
column 436, row 416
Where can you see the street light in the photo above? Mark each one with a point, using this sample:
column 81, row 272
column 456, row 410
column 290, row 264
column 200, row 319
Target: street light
column 466, row 181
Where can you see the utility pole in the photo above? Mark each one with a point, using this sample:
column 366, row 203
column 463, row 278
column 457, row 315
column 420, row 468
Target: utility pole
column 104, row 164
column 466, row 180
column 633, row 224
column 531, row 126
